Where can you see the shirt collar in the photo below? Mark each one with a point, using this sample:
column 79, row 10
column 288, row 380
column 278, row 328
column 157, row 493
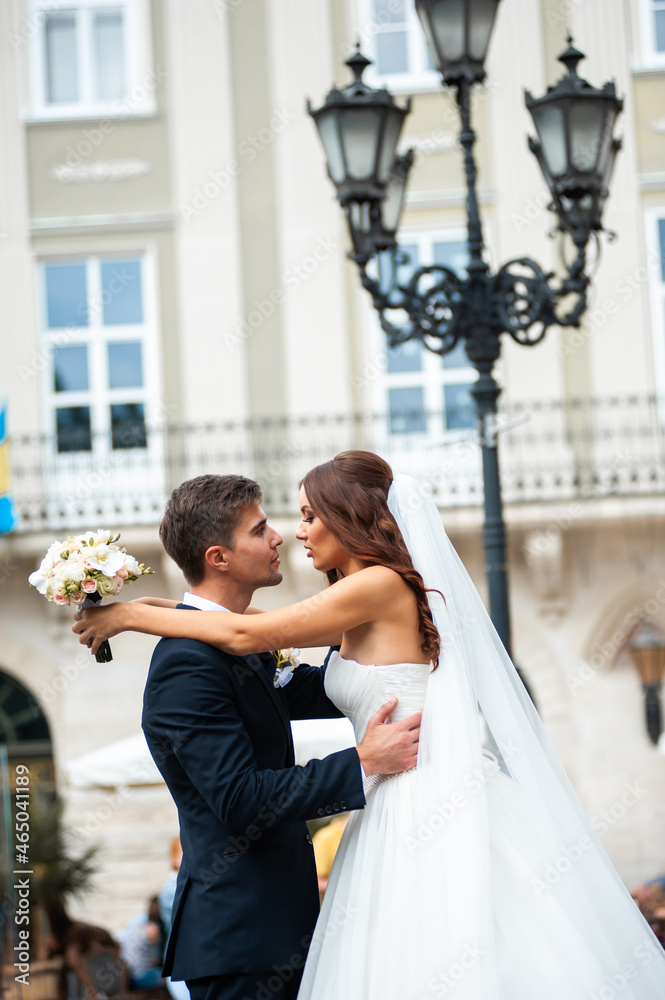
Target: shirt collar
column 202, row 603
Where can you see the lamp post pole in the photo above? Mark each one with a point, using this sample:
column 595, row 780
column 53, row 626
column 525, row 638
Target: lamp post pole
column 359, row 128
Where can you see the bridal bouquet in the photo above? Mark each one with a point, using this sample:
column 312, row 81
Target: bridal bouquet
column 85, row 568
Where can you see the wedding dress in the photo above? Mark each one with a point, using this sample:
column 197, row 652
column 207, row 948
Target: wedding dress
column 476, row 875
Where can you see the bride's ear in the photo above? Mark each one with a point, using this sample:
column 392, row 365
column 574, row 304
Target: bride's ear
column 215, row 557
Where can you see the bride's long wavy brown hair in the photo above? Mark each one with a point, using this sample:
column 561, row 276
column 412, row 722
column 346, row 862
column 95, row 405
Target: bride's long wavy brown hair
column 350, row 495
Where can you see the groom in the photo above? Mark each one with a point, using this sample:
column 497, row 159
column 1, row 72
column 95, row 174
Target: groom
column 218, row 729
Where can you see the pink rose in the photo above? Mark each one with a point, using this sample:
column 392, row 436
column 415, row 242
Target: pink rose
column 89, row 586
column 61, row 599
column 123, row 573
column 119, row 583
column 78, row 598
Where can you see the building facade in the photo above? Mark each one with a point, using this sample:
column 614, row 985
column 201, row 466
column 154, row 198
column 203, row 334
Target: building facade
column 176, row 299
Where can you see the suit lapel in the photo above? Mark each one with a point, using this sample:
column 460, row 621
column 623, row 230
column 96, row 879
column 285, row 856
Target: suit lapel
column 264, row 666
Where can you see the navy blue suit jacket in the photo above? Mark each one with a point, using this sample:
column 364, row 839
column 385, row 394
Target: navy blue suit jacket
column 219, row 732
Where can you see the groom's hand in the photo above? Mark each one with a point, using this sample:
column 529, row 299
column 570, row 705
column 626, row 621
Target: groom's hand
column 388, row 749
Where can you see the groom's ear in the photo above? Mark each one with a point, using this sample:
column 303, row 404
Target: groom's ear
column 215, row 557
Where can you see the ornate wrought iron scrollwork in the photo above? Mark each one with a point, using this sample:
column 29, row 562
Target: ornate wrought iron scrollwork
column 438, row 307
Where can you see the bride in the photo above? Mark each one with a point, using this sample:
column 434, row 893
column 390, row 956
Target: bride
column 476, row 874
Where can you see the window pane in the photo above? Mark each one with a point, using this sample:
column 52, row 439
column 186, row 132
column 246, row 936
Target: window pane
column 391, row 56
column 121, row 292
column 453, row 254
column 66, row 295
column 660, row 30
column 459, row 406
column 70, row 368
column 389, row 11
column 406, row 358
column 406, row 411
column 128, row 426
column 73, row 428
column 457, row 357
column 661, row 234
column 61, row 65
column 125, row 365
column 109, row 48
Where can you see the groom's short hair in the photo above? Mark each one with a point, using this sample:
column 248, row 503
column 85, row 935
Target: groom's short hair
column 202, row 512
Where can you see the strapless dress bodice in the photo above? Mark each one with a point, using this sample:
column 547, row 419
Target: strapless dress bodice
column 359, row 689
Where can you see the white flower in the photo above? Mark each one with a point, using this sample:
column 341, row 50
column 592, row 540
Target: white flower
column 132, row 566
column 107, row 559
column 287, row 660
column 95, row 537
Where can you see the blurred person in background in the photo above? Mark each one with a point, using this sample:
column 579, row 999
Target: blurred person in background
column 142, row 941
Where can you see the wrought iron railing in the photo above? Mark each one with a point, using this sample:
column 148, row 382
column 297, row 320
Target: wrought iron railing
column 549, row 451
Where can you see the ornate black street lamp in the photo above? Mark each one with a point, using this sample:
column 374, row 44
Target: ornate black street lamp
column 647, row 648
column 436, row 306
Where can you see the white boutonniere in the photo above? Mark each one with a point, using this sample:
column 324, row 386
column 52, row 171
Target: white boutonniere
column 286, row 661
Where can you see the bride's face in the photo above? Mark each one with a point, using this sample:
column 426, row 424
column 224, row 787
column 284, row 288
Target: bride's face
column 321, row 545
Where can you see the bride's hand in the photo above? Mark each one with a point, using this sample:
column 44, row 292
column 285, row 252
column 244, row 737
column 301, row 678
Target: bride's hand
column 94, row 625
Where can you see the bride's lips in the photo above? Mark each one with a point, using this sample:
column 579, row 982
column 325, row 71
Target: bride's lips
column 309, row 553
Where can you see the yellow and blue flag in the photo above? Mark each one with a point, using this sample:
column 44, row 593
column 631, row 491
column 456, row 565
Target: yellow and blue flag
column 7, row 515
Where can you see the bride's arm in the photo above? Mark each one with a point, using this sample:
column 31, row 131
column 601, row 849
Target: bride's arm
column 322, row 640
column 352, row 601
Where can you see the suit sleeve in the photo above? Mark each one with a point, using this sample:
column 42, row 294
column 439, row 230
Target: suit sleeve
column 194, row 712
column 306, row 696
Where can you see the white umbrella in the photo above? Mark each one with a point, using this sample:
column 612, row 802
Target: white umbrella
column 128, row 762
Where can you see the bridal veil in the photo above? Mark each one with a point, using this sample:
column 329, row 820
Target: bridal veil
column 525, row 896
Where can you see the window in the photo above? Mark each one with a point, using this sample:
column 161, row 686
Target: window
column 427, row 393
column 96, row 335
column 391, row 36
column 652, row 16
column 90, row 57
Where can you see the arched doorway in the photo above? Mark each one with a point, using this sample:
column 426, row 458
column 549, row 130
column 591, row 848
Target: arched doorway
column 24, row 732
column 26, row 766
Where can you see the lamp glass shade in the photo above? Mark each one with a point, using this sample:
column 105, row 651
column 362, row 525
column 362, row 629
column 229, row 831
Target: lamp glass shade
column 586, row 122
column 332, row 144
column 552, row 134
column 481, row 21
column 360, row 129
column 447, row 30
column 391, row 207
column 389, row 139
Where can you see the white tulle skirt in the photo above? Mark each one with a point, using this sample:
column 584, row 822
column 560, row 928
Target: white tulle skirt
column 382, row 933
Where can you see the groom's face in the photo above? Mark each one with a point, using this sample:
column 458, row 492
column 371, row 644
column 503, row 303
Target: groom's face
column 254, row 559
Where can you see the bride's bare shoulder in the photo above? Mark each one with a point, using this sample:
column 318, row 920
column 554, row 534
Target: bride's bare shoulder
column 382, row 577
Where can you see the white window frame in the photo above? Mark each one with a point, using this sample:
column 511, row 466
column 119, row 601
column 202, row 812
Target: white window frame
column 122, row 482
column 96, row 336
column 419, row 76
column 433, row 376
column 652, row 218
column 651, row 57
column 140, row 97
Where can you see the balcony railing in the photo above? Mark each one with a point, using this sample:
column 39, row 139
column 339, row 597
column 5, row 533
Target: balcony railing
column 549, row 451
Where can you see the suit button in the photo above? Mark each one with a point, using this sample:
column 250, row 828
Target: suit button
column 344, row 805
column 309, row 839
column 329, row 809
column 320, row 812
column 336, row 806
